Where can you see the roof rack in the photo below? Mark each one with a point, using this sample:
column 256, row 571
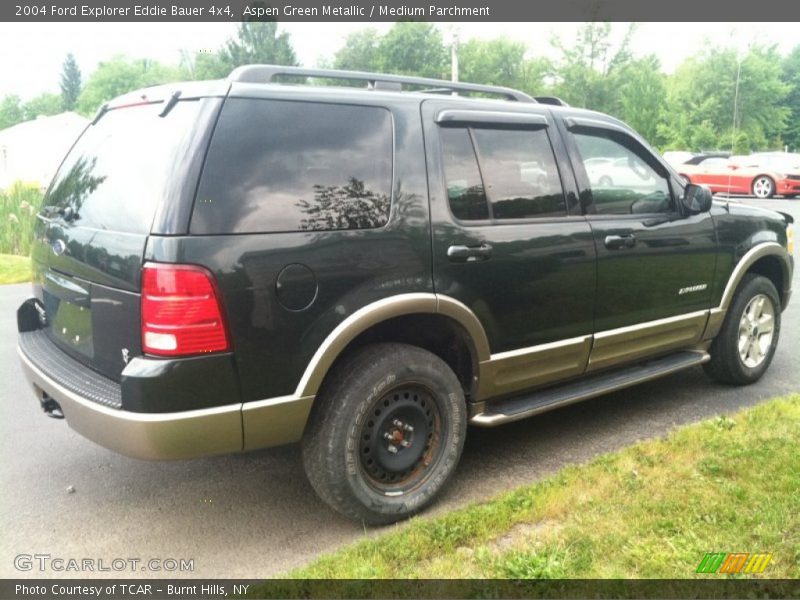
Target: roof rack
column 375, row 81
column 552, row 100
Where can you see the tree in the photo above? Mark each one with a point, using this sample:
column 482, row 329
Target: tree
column 361, row 51
column 587, row 74
column 640, row 96
column 791, row 77
column 258, row 42
column 45, row 105
column 703, row 93
column 70, row 83
column 10, row 111
column 413, row 48
column 119, row 76
column 501, row 61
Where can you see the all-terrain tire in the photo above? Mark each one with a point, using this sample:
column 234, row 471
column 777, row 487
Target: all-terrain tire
column 385, row 433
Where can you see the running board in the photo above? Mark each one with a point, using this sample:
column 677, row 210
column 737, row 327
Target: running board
column 513, row 409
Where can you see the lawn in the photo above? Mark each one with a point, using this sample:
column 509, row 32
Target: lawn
column 14, row 269
column 652, row 510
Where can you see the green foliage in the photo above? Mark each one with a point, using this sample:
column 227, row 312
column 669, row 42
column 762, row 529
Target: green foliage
column 43, row 105
column 408, row 48
column 414, row 48
column 70, row 82
column 791, row 77
column 11, row 111
column 640, row 93
column 702, row 94
column 588, row 73
column 119, row 76
column 502, row 62
column 360, row 51
column 258, row 43
column 18, row 207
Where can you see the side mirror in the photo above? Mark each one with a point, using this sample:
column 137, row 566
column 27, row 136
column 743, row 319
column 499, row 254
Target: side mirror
column 696, row 198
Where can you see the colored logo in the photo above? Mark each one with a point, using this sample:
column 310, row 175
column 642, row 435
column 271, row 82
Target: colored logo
column 734, row 562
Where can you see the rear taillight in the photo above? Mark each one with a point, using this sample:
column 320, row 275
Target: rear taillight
column 181, row 311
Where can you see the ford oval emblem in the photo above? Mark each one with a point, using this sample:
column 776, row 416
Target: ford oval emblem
column 59, row 247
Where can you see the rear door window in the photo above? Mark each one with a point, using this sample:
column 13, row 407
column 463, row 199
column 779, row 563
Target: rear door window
column 501, row 174
column 279, row 166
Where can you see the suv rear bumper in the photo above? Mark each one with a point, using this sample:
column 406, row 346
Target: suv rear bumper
column 151, row 436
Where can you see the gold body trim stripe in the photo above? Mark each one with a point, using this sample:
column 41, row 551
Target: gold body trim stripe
column 634, row 342
column 507, row 372
column 275, row 421
column 377, row 312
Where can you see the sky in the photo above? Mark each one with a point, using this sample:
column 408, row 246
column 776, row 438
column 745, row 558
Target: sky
column 33, row 53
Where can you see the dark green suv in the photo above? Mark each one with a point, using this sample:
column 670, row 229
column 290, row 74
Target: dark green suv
column 230, row 265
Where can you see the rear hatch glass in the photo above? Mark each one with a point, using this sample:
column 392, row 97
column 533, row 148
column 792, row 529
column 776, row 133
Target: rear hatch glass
column 94, row 225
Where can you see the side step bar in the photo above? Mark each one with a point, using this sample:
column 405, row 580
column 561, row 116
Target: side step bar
column 514, row 409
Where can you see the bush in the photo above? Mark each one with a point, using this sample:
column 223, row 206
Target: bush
column 19, row 205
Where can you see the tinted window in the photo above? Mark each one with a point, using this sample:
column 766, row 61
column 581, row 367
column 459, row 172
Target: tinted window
column 520, row 173
column 621, row 181
column 288, row 166
column 122, row 166
column 463, row 178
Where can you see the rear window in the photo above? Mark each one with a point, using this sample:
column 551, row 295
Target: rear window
column 295, row 166
column 121, row 167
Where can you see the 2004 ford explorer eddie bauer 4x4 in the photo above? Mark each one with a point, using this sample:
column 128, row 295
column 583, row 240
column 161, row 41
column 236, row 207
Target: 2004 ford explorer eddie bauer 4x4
column 230, row 265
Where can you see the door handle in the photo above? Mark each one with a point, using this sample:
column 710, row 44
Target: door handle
column 469, row 253
column 616, row 242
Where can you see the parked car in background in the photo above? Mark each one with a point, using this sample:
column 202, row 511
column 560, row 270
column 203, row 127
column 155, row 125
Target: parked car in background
column 624, row 171
column 677, row 157
column 762, row 176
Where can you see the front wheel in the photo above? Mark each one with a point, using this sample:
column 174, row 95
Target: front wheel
column 763, row 187
column 745, row 345
column 386, row 433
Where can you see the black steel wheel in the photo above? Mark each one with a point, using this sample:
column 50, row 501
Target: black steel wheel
column 386, row 433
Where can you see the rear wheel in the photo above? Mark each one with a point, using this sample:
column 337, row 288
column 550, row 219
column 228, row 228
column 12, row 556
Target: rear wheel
column 386, row 433
column 763, row 187
column 744, row 347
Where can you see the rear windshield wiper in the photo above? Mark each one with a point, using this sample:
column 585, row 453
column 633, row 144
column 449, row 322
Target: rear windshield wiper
column 173, row 100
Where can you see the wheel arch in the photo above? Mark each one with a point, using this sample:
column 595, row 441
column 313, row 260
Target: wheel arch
column 768, row 259
column 416, row 318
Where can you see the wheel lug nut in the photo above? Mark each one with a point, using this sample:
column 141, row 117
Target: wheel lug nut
column 405, row 443
column 392, row 448
column 408, row 428
column 397, row 423
column 388, row 436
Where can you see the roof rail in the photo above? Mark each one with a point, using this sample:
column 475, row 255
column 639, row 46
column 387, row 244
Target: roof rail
column 552, row 100
column 376, row 81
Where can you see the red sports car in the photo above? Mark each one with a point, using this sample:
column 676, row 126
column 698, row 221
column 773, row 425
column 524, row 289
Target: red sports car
column 760, row 175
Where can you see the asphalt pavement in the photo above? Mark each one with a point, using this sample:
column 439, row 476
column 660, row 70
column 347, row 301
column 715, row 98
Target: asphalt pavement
column 255, row 515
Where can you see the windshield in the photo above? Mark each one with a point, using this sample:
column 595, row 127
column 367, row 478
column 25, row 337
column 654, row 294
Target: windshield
column 120, row 168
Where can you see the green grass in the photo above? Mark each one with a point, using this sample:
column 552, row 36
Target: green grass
column 730, row 484
column 18, row 207
column 14, row 269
